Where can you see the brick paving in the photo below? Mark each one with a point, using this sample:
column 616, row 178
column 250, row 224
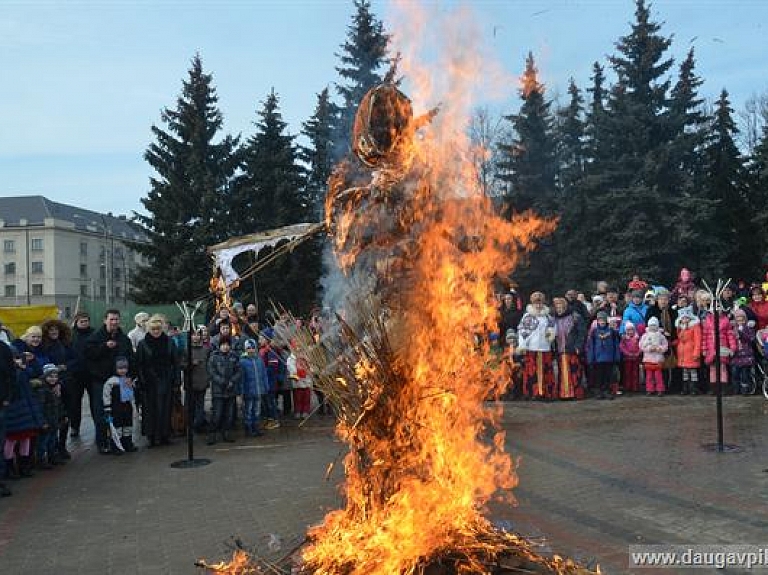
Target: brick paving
column 594, row 478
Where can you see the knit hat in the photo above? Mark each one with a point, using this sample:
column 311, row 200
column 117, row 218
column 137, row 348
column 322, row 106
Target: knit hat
column 602, row 315
column 739, row 313
column 650, row 293
column 250, row 344
column 661, row 290
column 121, row 362
column 141, row 317
column 538, row 297
column 629, row 325
column 50, row 368
column 637, row 293
column 653, row 322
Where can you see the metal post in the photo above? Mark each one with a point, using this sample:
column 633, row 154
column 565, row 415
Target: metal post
column 718, row 378
column 188, row 396
column 190, row 461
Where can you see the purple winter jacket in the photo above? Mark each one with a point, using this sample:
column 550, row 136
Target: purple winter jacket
column 745, row 352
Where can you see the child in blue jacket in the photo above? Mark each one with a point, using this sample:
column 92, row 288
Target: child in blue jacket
column 255, row 385
column 603, row 354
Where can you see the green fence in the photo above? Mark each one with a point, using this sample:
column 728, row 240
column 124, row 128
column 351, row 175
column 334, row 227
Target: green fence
column 97, row 308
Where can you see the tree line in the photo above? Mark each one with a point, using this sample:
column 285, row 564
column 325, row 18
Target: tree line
column 643, row 175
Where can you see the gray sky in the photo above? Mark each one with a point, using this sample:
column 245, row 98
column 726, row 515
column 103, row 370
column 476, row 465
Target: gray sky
column 83, row 81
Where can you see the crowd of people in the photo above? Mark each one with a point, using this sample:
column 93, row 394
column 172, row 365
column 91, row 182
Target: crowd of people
column 45, row 373
column 647, row 339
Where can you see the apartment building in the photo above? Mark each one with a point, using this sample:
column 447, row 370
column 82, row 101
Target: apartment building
column 52, row 253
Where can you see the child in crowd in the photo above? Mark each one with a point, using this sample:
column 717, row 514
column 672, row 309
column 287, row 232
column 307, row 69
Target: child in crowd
column 271, row 360
column 254, row 386
column 654, row 345
column 744, row 358
column 224, row 375
column 688, row 348
column 603, row 354
column 118, row 394
column 630, row 358
column 635, row 312
column 728, row 346
column 48, row 392
column 298, row 373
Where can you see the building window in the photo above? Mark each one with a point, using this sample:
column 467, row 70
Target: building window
column 83, row 290
column 37, row 289
column 10, row 291
column 9, row 246
column 37, row 245
column 102, row 254
column 103, row 272
column 118, row 253
column 103, row 292
column 37, row 267
column 83, row 270
column 118, row 292
column 118, row 273
column 67, row 312
column 10, row 269
column 84, row 249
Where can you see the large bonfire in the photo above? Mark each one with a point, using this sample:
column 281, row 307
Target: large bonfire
column 419, row 246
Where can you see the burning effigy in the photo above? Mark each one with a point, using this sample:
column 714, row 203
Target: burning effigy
column 418, row 246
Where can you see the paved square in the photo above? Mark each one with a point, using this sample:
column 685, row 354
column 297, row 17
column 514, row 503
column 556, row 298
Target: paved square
column 594, row 478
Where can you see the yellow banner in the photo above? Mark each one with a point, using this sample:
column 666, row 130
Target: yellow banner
column 18, row 319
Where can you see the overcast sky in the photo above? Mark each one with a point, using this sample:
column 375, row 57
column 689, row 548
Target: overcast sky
column 83, row 81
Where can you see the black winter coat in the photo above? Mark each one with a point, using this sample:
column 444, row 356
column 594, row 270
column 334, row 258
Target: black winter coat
column 101, row 358
column 7, row 373
column 80, row 337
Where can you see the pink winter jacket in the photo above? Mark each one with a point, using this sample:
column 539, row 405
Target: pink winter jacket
column 630, row 347
column 728, row 343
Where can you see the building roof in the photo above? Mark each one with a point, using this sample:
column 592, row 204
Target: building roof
column 35, row 209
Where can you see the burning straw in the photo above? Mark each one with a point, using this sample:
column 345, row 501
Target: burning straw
column 419, row 246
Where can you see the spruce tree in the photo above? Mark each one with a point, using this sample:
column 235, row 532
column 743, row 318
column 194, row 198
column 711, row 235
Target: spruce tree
column 189, row 194
column 528, row 162
column 688, row 124
column 737, row 244
column 627, row 184
column 270, row 193
column 318, row 155
column 570, row 140
column 272, row 189
column 528, row 167
column 758, row 191
column 362, row 55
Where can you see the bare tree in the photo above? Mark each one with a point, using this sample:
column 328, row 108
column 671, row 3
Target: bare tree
column 486, row 131
column 752, row 119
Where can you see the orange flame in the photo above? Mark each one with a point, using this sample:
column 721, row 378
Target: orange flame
column 416, row 485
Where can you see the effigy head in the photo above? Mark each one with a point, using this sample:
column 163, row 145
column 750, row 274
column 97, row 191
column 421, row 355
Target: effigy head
column 383, row 129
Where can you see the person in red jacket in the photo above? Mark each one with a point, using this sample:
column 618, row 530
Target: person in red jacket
column 759, row 307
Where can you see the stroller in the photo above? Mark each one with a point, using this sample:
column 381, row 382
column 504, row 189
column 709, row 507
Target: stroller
column 759, row 379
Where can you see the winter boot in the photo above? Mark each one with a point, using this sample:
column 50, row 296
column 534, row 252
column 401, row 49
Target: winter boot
column 11, row 472
column 25, row 466
column 226, row 437
column 128, row 444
